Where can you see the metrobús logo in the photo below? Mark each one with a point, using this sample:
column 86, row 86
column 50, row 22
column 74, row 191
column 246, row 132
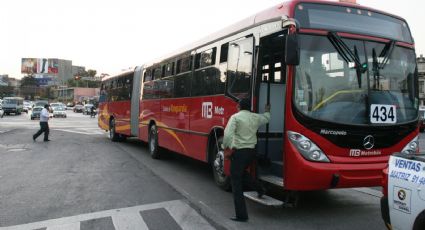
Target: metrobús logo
column 208, row 110
column 364, row 153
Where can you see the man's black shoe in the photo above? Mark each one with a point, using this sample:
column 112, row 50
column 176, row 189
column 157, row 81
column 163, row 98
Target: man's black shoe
column 239, row 219
column 261, row 192
column 33, row 138
column 46, row 140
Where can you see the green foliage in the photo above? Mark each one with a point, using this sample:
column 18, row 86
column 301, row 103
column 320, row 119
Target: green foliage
column 28, row 81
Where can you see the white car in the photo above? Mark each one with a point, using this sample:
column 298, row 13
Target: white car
column 1, row 112
column 403, row 203
column 59, row 112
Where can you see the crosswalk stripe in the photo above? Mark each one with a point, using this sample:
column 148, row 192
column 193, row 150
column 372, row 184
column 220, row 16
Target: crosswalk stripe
column 187, row 218
column 79, row 132
column 129, row 221
column 70, row 226
column 125, row 218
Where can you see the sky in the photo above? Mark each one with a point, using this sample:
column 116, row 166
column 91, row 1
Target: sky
column 109, row 35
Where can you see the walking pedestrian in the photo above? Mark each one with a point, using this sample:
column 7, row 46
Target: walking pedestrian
column 44, row 124
column 240, row 135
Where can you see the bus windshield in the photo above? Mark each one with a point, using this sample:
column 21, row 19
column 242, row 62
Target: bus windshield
column 10, row 101
column 328, row 88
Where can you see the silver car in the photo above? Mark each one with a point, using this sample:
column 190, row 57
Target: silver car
column 59, row 112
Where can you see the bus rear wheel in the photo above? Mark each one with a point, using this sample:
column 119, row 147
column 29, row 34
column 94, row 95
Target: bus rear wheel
column 153, row 142
column 221, row 180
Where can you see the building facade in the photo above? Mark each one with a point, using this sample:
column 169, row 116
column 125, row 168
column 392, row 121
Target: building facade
column 77, row 94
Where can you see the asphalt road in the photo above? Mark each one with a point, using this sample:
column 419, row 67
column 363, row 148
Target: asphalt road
column 81, row 180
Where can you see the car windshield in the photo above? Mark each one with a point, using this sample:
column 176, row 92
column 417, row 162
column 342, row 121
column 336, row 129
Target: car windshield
column 37, row 109
column 59, row 109
column 328, row 88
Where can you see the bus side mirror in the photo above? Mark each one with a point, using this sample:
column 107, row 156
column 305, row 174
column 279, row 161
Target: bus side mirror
column 292, row 50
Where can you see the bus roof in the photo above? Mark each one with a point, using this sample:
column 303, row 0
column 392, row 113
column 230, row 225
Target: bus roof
column 281, row 11
column 126, row 72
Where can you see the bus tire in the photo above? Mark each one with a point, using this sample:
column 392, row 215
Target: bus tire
column 419, row 222
column 113, row 136
column 220, row 179
column 153, row 142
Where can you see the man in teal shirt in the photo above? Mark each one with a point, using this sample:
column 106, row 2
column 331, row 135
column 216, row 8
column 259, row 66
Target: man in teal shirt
column 240, row 135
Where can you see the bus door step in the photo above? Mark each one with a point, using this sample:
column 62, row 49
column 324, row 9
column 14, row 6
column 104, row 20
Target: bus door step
column 275, row 180
column 264, row 200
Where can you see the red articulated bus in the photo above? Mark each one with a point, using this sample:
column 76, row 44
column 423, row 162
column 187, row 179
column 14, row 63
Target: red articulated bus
column 341, row 80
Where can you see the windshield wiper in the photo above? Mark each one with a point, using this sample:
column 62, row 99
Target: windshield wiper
column 375, row 69
column 348, row 55
column 386, row 53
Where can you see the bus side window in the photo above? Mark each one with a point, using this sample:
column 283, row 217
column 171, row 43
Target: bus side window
column 157, row 73
column 206, row 74
column 224, row 50
column 148, row 75
column 239, row 68
column 183, row 77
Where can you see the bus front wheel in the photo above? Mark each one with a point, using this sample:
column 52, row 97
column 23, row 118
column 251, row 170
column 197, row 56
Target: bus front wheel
column 153, row 142
column 221, row 180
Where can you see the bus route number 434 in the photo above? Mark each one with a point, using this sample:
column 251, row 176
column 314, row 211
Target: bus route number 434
column 383, row 114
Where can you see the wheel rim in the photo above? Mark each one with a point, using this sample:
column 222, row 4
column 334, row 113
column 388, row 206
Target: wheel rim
column 219, row 166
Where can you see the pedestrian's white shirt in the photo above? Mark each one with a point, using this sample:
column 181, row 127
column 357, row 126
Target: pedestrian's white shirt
column 44, row 116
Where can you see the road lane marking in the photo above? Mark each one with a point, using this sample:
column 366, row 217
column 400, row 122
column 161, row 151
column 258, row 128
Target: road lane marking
column 369, row 191
column 125, row 218
column 80, row 132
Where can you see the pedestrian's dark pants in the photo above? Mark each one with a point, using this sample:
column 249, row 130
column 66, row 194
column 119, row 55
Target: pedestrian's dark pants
column 240, row 160
column 44, row 127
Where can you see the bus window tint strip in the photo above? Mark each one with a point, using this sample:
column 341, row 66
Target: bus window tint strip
column 353, row 20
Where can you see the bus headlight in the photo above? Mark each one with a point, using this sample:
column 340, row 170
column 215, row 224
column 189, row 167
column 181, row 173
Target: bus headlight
column 411, row 147
column 307, row 148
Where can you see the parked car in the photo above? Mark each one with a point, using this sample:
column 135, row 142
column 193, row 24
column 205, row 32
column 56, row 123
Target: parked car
column 87, row 109
column 59, row 112
column 36, row 111
column 27, row 106
column 55, row 106
column 1, row 112
column 78, row 108
column 42, row 103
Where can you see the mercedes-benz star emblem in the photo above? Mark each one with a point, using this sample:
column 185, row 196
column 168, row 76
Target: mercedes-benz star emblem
column 368, row 142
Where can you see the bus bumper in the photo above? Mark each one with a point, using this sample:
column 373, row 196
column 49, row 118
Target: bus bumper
column 319, row 176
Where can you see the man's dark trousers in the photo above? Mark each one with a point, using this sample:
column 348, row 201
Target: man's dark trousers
column 44, row 127
column 241, row 159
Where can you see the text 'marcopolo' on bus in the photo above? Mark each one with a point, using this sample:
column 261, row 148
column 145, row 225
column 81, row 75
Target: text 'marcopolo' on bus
column 341, row 80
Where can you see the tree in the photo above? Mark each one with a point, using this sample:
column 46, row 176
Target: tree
column 29, row 86
column 29, row 81
column 91, row 73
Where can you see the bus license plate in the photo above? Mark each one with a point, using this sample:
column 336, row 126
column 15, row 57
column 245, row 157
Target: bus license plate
column 383, row 114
